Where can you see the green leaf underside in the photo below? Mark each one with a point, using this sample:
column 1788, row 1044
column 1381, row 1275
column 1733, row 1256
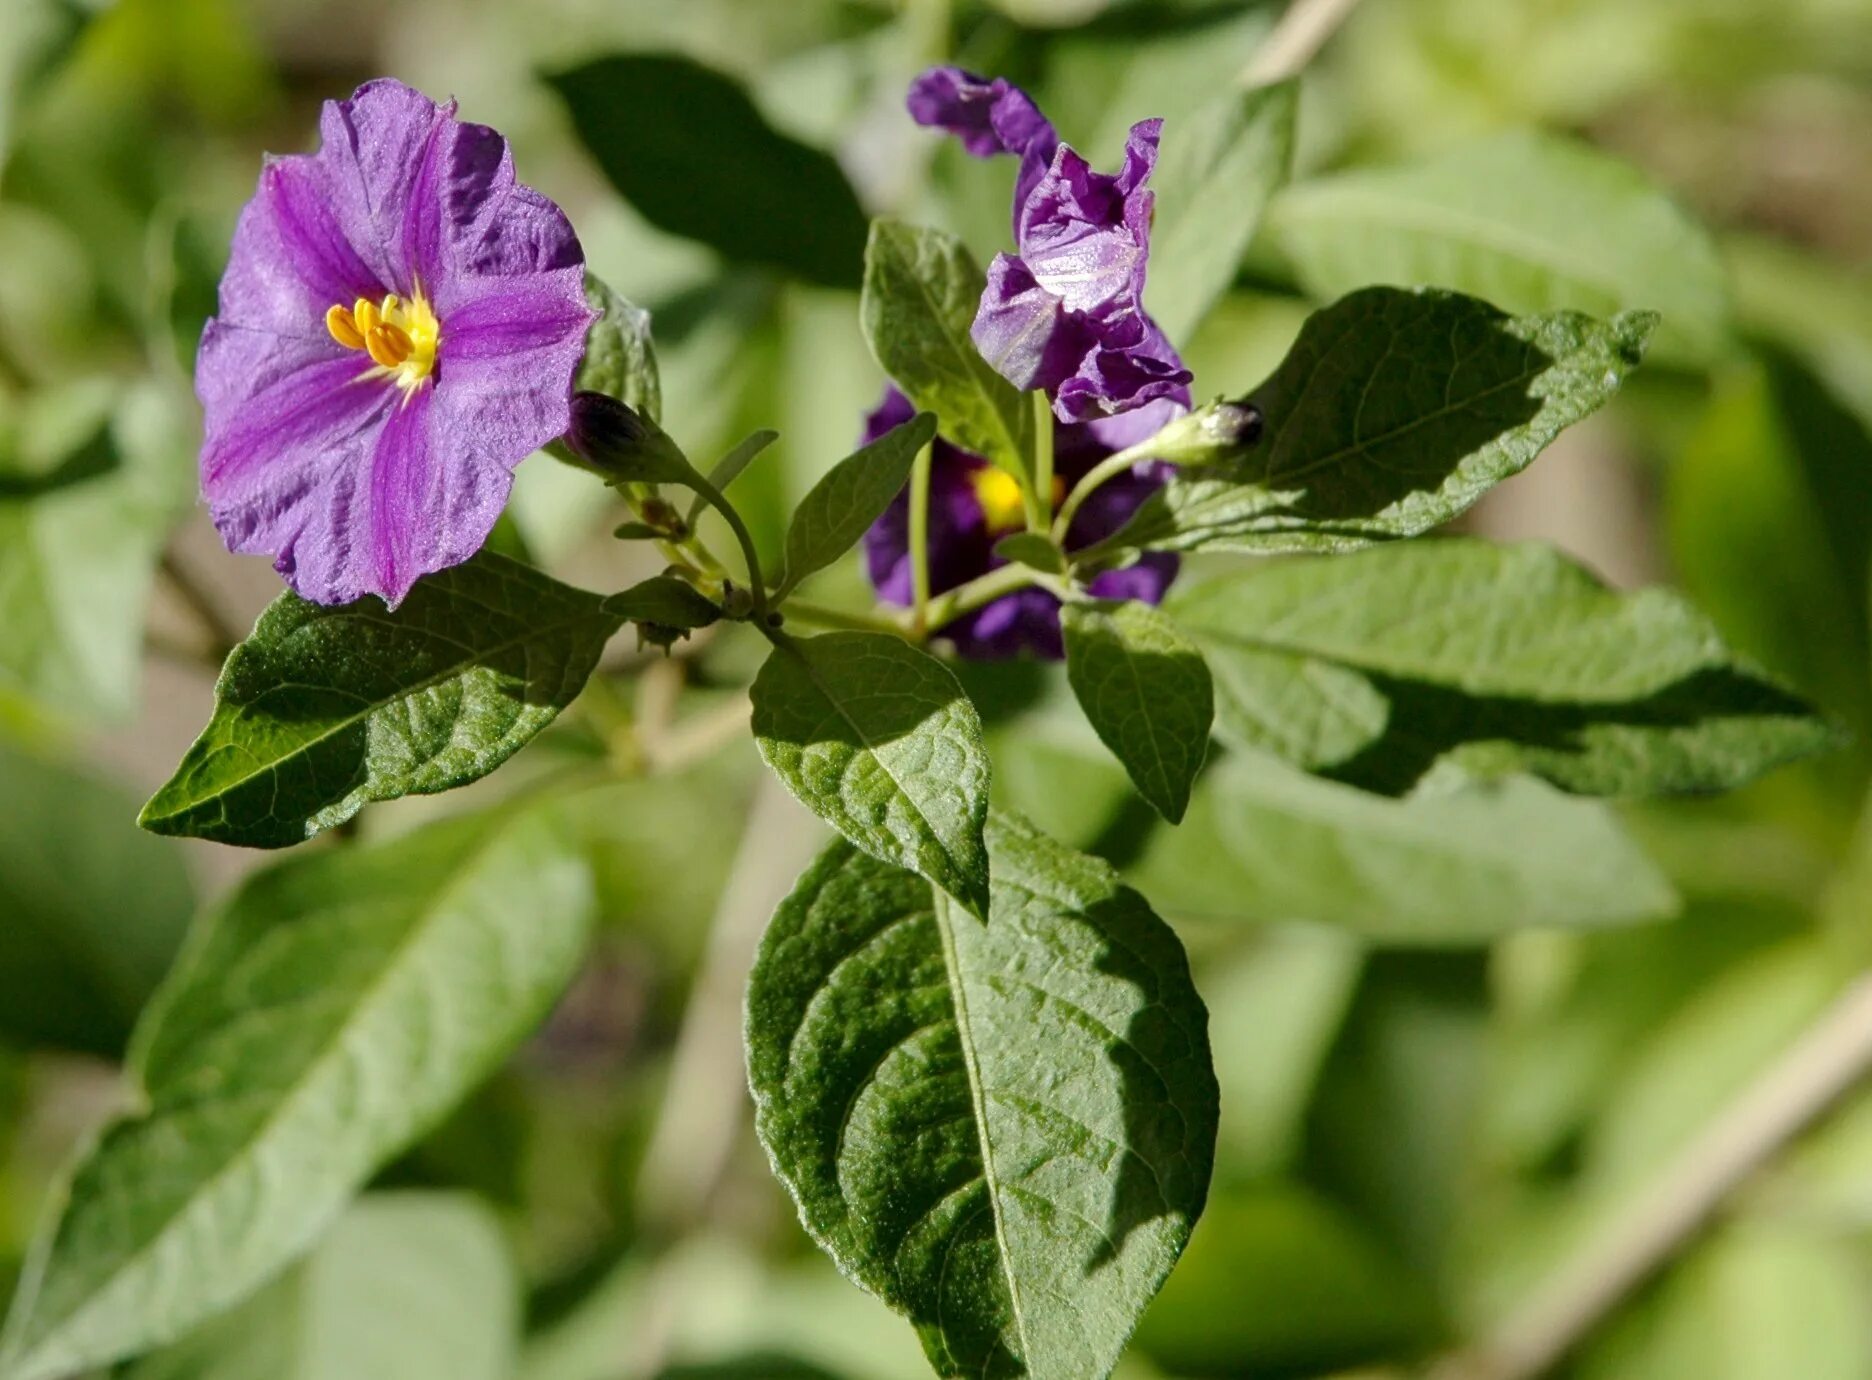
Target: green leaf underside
column 1216, row 173
column 619, row 360
column 415, row 1286
column 1530, row 221
column 664, row 599
column 921, row 291
column 1146, row 692
column 650, row 120
column 1005, row 1130
column 838, row 510
column 879, row 740
column 329, row 1014
column 1263, row 843
column 1393, row 412
column 1032, row 549
column 323, row 710
column 1373, row 668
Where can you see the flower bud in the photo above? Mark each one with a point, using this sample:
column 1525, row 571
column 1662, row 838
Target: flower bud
column 622, row 444
column 1213, row 434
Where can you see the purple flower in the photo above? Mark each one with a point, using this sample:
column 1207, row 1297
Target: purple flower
column 973, row 505
column 400, row 322
column 1066, row 313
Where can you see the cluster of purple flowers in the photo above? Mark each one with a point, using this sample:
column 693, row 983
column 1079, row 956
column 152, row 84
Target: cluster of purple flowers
column 401, row 321
column 1064, row 314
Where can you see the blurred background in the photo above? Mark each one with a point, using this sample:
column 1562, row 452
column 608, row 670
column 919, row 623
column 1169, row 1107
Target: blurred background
column 1411, row 1137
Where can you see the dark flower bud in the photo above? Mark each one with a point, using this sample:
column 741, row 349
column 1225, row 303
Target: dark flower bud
column 662, row 517
column 1215, row 433
column 659, row 635
column 622, row 444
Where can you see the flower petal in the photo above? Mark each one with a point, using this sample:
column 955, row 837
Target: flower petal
column 1024, row 331
column 989, row 117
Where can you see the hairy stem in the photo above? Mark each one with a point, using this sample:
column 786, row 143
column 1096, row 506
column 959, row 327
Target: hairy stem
column 1833, row 1054
column 984, row 589
column 1107, row 469
column 757, row 583
column 823, row 616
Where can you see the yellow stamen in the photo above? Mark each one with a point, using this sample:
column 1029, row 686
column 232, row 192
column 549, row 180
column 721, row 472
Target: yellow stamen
column 343, row 329
column 400, row 334
column 999, row 494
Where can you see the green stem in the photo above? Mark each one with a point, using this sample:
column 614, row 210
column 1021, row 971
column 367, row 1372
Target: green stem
column 984, row 589
column 757, row 583
column 822, row 616
column 1109, row 468
column 1041, row 509
column 919, row 539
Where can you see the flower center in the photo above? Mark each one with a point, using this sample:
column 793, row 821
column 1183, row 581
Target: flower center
column 401, row 336
column 999, row 494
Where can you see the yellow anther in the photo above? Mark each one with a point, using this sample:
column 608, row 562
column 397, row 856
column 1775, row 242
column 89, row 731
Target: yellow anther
column 999, row 494
column 401, row 336
column 384, row 349
column 343, row 329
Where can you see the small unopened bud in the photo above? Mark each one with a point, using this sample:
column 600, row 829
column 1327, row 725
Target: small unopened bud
column 659, row 635
column 663, row 518
column 622, row 444
column 1213, row 434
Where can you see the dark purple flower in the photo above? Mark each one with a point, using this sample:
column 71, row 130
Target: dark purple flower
column 973, row 505
column 400, row 322
column 1066, row 312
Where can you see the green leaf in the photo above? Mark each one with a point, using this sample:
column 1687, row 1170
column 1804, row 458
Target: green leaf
column 1005, row 1131
column 1217, row 172
column 1531, row 221
column 419, row 1286
column 331, row 1012
column 838, row 509
column 323, row 710
column 1393, row 412
column 686, row 146
column 1146, row 692
column 94, row 908
column 1264, row 844
column 620, row 360
column 1032, row 549
column 666, row 600
column 878, row 739
column 729, row 467
column 1376, row 667
column 921, row 289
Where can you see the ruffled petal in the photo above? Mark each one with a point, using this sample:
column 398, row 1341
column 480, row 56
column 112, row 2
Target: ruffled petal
column 989, row 117
column 1024, row 331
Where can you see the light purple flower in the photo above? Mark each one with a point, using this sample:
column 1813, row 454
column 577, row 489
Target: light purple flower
column 1066, row 312
column 973, row 505
column 399, row 325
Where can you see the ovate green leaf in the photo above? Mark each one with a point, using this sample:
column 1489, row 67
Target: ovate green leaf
column 1004, row 1130
column 879, row 740
column 1393, row 412
column 1265, row 843
column 322, row 710
column 1373, row 668
column 1214, row 178
column 416, row 1286
column 323, row 1019
column 686, row 146
column 921, row 289
column 665, row 599
column 1145, row 691
column 838, row 509
column 1531, row 221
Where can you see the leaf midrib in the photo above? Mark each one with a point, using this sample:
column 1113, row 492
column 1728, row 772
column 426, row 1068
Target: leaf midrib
column 371, row 707
column 978, row 1105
